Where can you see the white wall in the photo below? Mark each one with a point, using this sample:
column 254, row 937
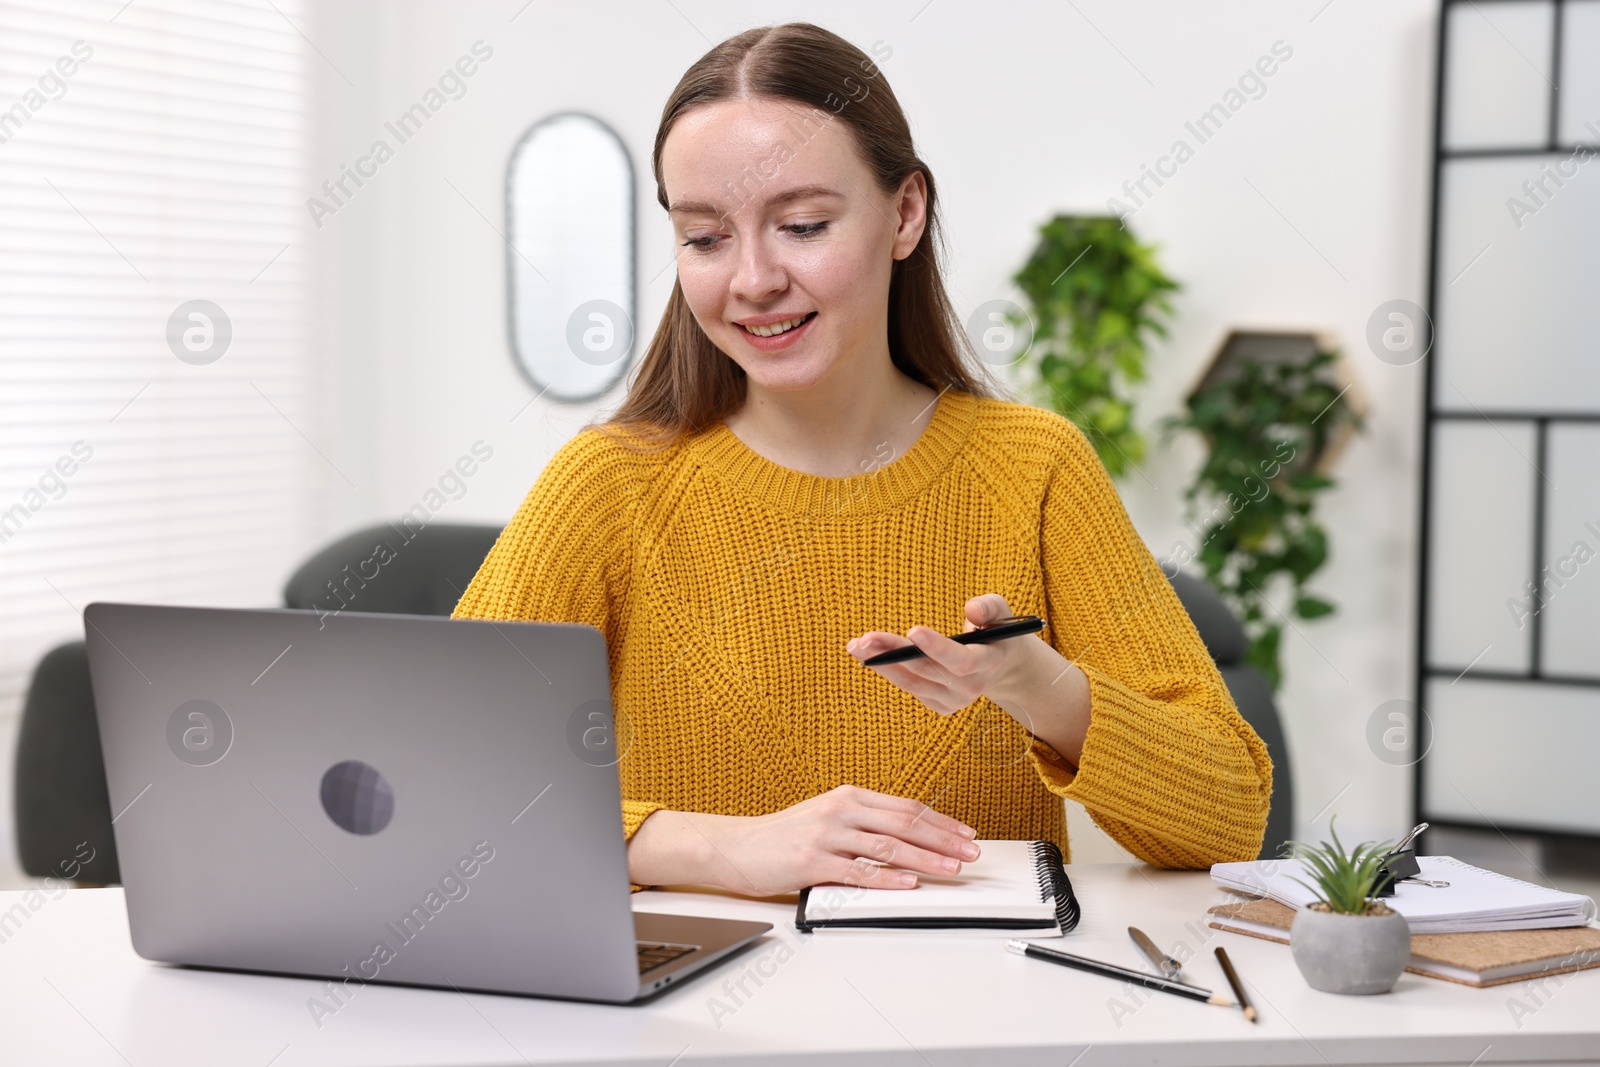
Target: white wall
column 1307, row 210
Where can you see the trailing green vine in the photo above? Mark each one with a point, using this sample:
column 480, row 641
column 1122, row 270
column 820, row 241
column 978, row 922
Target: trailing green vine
column 1095, row 294
column 1265, row 427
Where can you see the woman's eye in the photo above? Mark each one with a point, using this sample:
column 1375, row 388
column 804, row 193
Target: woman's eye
column 799, row 229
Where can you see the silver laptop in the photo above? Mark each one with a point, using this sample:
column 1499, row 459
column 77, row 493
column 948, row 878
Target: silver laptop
column 378, row 798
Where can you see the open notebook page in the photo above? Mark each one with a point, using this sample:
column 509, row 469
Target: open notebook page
column 1002, row 883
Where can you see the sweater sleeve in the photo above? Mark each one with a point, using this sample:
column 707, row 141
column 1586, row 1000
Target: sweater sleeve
column 566, row 554
column 1169, row 768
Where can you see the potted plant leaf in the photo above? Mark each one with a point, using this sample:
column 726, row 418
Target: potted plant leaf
column 1274, row 411
column 1098, row 296
column 1347, row 941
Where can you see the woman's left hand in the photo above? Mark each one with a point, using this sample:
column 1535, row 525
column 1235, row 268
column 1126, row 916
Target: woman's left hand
column 952, row 675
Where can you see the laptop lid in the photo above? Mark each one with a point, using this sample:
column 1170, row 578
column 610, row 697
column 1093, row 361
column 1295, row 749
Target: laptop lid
column 379, row 797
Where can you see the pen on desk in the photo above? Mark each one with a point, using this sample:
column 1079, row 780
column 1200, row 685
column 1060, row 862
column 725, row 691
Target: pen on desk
column 998, row 630
column 1111, row 970
column 1238, row 986
column 1168, row 966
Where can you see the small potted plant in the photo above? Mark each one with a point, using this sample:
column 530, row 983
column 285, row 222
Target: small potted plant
column 1347, row 941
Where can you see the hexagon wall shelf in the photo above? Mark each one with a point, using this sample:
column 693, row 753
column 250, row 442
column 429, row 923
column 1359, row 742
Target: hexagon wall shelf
column 1288, row 346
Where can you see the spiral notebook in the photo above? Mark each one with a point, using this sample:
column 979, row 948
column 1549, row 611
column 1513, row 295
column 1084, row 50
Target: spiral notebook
column 1013, row 889
column 1472, row 899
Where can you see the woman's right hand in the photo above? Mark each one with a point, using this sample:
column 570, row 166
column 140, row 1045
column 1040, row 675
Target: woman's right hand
column 835, row 837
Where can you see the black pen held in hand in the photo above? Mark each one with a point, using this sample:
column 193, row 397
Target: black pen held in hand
column 999, row 630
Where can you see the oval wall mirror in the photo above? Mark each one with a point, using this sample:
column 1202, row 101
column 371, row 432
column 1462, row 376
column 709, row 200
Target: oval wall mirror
column 569, row 257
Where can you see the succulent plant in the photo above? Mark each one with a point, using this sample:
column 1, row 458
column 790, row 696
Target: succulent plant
column 1347, row 881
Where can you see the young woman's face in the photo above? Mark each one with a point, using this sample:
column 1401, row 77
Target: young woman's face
column 780, row 224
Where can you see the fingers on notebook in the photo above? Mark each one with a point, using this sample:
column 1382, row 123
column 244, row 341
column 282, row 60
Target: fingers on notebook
column 883, row 841
column 863, row 872
column 894, row 852
column 916, row 842
column 913, row 813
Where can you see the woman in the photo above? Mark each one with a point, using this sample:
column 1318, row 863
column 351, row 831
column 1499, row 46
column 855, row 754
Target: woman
column 803, row 469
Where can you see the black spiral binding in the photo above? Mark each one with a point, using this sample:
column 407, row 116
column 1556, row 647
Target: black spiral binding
column 1053, row 882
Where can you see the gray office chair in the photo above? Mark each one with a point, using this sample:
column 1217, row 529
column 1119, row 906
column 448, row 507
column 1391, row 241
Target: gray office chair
column 393, row 570
column 60, row 785
column 1225, row 640
column 59, row 798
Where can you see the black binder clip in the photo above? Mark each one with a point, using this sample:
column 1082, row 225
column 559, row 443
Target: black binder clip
column 1400, row 865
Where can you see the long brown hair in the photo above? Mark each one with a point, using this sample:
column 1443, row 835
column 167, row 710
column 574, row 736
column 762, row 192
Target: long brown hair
column 685, row 382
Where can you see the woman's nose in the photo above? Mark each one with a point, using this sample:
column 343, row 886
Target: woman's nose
column 758, row 274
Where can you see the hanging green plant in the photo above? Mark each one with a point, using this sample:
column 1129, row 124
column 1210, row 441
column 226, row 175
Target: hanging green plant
column 1268, row 427
column 1095, row 294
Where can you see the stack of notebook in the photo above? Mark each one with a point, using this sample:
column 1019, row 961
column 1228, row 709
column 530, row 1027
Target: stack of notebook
column 1482, row 929
column 1483, row 958
column 1475, row 899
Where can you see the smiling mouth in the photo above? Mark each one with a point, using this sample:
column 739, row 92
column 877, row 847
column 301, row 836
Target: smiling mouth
column 778, row 328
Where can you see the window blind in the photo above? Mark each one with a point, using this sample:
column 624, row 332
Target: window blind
column 151, row 154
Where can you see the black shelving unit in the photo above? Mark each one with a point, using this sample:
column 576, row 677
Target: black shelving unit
column 1582, row 685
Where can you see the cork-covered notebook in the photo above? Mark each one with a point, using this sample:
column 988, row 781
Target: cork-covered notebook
column 1481, row 958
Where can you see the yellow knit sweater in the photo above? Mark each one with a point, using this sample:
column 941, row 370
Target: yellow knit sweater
column 726, row 587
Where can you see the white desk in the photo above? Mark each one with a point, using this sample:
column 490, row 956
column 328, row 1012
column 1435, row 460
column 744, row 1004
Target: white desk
column 73, row 992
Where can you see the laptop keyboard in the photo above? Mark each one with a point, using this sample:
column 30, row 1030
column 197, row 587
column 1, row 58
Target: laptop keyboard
column 653, row 954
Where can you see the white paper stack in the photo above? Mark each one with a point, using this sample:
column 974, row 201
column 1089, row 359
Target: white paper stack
column 1475, row 899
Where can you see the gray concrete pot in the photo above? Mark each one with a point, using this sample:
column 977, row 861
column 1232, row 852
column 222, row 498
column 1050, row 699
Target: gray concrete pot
column 1350, row 953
